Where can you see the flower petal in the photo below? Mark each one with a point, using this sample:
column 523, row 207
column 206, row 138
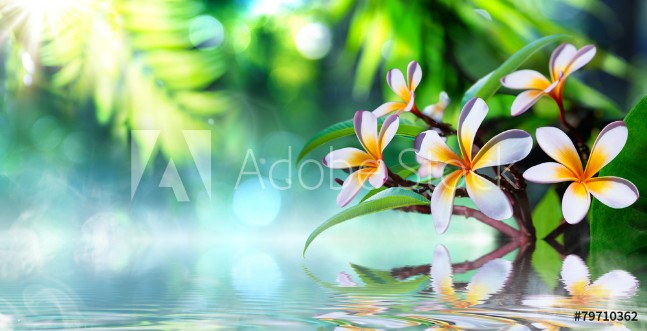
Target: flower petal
column 471, row 117
column 348, row 157
column 352, row 185
column 430, row 146
column 548, row 173
column 366, row 130
column 379, row 175
column 488, row 197
column 505, row 148
column 583, row 56
column 442, row 201
column 616, row 283
column 414, row 75
column 389, row 108
column 345, row 280
column 614, row 192
column 525, row 80
column 524, row 101
column 387, row 132
column 558, row 146
column 560, row 59
column 488, row 280
column 430, row 168
column 441, row 273
column 436, row 111
column 396, row 81
column 575, row 275
column 607, row 146
column 576, row 202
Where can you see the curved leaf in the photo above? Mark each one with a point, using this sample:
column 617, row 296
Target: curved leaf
column 346, row 128
column 488, row 85
column 388, row 199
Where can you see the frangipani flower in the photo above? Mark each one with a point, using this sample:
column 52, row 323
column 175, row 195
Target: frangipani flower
column 613, row 284
column 612, row 191
column 437, row 110
column 505, row 148
column 565, row 60
column 403, row 89
column 488, row 280
column 370, row 162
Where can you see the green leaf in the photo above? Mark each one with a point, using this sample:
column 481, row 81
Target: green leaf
column 376, row 282
column 488, row 85
column 345, row 129
column 388, row 199
column 546, row 217
column 619, row 236
column 373, row 192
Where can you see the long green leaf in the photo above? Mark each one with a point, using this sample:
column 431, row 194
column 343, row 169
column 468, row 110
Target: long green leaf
column 488, row 85
column 345, row 129
column 388, row 199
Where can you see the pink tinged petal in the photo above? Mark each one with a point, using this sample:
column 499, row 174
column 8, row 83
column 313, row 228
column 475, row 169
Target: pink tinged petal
column 366, row 130
column 524, row 101
column 396, row 81
column 470, row 119
column 430, row 168
column 558, row 146
column 430, row 146
column 583, row 56
column 348, row 157
column 560, row 59
column 441, row 272
column 505, row 148
column 379, row 175
column 575, row 203
column 575, row 274
column 614, row 192
column 345, row 280
column 525, row 80
column 616, row 283
column 389, row 108
column 352, row 185
column 607, row 146
column 548, row 173
column 488, row 280
column 442, row 201
column 414, row 75
column 488, row 197
column 387, row 132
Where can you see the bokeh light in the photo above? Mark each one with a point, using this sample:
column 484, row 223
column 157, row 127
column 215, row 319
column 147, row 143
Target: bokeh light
column 313, row 40
column 256, row 201
column 206, row 32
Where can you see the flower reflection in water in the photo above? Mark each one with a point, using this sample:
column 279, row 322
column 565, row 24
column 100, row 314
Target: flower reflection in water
column 499, row 296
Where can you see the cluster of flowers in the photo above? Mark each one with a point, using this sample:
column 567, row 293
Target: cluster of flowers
column 433, row 154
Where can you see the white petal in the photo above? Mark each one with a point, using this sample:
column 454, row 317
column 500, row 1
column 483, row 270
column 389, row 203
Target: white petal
column 414, row 75
column 518, row 327
column 429, row 145
column 441, row 272
column 430, row 168
column 348, row 157
column 524, row 101
column 396, row 81
column 560, row 59
column 575, row 274
column 366, row 130
column 607, row 146
column 525, row 80
column 389, row 108
column 505, row 148
column 379, row 175
column 471, row 117
column 345, row 280
column 616, row 283
column 614, row 192
column 583, row 56
column 575, row 203
column 548, row 173
column 488, row 197
column 442, row 201
column 388, row 130
column 559, row 146
column 352, row 185
column 489, row 279
column 436, row 111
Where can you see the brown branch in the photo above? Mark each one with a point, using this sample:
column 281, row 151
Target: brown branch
column 445, row 128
